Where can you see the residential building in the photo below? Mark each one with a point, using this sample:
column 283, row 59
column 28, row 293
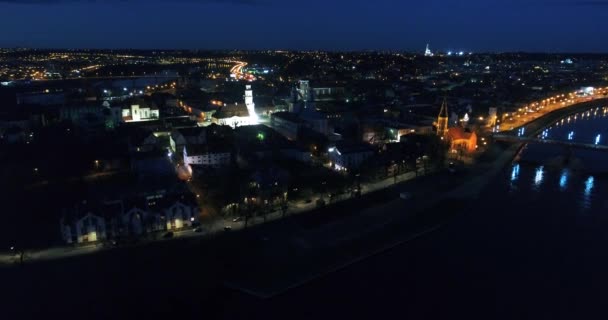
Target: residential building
column 348, row 157
column 286, row 123
column 83, row 224
column 90, row 223
column 206, row 156
column 183, row 136
column 179, row 215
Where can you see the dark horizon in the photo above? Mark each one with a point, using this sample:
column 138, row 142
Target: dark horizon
column 418, row 52
column 567, row 26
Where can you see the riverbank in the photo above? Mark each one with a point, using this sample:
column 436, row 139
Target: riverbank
column 210, row 229
column 303, row 254
column 191, row 274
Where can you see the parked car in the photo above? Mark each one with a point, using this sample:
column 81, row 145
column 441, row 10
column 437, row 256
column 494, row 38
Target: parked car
column 227, row 228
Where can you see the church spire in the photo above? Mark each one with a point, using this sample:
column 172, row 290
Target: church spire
column 442, row 119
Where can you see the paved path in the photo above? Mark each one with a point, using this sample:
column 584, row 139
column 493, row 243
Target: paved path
column 218, row 226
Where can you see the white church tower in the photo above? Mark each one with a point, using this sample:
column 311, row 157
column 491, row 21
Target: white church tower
column 249, row 103
column 427, row 51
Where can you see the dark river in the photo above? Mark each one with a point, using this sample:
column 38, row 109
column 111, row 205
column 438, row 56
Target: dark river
column 534, row 246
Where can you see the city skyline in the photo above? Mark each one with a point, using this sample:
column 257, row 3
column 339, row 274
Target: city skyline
column 478, row 26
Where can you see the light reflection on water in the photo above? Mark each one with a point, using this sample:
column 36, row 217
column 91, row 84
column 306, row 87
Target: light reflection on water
column 565, row 189
column 515, row 172
column 571, row 189
column 538, row 178
column 514, row 177
column 563, row 180
column 587, row 194
column 589, row 127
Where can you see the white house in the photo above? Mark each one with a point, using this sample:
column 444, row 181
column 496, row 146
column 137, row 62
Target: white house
column 115, row 219
column 89, row 228
column 207, row 157
column 135, row 113
column 179, row 216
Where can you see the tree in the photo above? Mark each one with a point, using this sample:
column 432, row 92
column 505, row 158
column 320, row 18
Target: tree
column 284, row 208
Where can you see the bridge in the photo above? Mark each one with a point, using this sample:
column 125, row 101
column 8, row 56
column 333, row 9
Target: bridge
column 569, row 144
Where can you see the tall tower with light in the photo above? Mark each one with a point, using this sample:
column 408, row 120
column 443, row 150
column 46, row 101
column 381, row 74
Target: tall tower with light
column 249, row 103
column 427, row 51
column 442, row 120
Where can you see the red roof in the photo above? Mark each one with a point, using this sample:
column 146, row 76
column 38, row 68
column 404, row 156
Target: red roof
column 458, row 133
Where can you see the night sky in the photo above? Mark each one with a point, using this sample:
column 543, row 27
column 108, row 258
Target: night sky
column 470, row 25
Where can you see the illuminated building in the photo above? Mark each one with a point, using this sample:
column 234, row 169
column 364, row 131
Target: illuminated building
column 249, row 103
column 90, row 227
column 427, row 51
column 237, row 114
column 461, row 139
column 139, row 112
column 347, row 157
column 206, row 156
column 88, row 222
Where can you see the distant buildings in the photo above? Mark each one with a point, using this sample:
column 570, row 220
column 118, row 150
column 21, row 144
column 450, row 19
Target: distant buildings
column 304, row 113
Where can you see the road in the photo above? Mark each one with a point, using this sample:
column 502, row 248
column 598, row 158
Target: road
column 237, row 70
column 217, row 226
column 539, row 109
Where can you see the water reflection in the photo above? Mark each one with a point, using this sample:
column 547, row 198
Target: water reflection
column 563, row 180
column 514, row 177
column 588, row 191
column 589, row 186
column 515, row 173
column 538, row 178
